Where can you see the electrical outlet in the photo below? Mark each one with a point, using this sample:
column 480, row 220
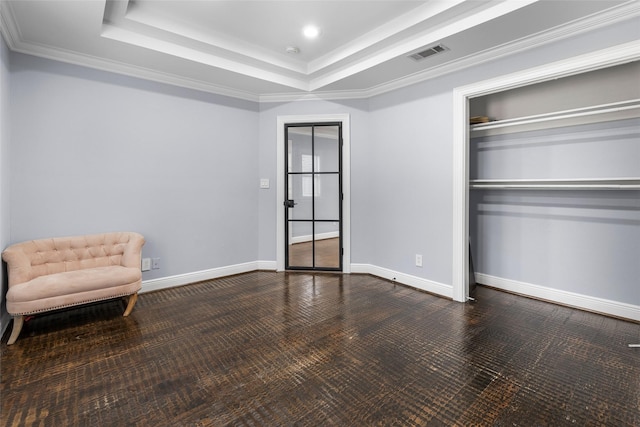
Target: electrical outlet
column 155, row 263
column 146, row 264
column 418, row 260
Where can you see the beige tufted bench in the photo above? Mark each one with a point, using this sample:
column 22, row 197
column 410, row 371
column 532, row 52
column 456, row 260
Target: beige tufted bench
column 49, row 274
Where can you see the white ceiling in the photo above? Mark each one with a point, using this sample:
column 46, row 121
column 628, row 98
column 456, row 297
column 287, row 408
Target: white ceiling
column 238, row 48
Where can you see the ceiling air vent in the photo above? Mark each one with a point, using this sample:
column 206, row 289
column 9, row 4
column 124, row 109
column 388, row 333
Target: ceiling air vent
column 419, row 56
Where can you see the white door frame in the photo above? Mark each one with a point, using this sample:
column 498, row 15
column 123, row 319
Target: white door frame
column 608, row 57
column 346, row 183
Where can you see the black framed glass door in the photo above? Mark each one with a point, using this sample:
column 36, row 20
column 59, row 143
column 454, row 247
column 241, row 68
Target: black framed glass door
column 313, row 196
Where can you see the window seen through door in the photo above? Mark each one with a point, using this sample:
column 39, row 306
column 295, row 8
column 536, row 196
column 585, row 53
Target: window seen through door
column 307, row 187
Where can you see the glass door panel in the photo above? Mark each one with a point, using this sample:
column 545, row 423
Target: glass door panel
column 327, row 148
column 327, row 252
column 300, row 193
column 327, row 200
column 300, row 147
column 300, row 244
column 313, row 204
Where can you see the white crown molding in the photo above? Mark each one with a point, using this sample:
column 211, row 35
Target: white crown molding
column 214, row 40
column 571, row 299
column 195, row 55
column 314, row 96
column 8, row 27
column 628, row 11
column 132, row 26
column 111, row 66
column 381, row 33
column 11, row 34
column 416, row 42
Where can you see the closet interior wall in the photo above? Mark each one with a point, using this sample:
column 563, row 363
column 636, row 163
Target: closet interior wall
column 554, row 192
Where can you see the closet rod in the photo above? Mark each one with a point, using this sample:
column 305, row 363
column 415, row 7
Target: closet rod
column 558, row 115
column 553, row 187
column 558, row 184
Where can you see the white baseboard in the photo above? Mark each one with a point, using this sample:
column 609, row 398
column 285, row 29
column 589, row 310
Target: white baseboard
column 319, row 236
column 213, row 273
column 586, row 302
column 405, row 279
column 198, row 276
column 268, row 265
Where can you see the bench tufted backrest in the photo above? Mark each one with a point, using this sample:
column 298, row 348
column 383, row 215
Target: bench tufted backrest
column 35, row 258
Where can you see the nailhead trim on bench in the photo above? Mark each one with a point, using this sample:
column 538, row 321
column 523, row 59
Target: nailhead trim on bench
column 72, row 305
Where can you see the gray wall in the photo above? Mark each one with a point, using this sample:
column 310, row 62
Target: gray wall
column 412, row 164
column 598, row 150
column 5, row 221
column 94, row 152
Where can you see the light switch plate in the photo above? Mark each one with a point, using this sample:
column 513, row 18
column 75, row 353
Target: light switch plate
column 264, row 182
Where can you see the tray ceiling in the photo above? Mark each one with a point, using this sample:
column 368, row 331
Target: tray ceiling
column 239, row 48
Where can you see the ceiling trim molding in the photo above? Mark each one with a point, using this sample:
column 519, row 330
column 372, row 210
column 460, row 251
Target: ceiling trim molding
column 380, row 34
column 417, row 42
column 128, row 27
column 197, row 56
column 125, row 20
column 630, row 10
column 12, row 37
column 314, row 96
column 111, row 66
column 15, row 42
column 8, row 27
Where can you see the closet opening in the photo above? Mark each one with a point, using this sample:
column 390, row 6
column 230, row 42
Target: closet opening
column 547, row 183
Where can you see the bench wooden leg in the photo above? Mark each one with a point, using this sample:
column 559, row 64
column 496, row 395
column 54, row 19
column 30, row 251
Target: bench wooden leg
column 18, row 321
column 132, row 301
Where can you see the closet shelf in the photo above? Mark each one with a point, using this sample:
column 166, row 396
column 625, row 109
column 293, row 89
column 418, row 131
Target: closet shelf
column 559, row 115
column 557, row 184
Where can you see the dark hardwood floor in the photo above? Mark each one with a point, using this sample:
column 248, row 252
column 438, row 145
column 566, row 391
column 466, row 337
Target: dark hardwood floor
column 285, row 349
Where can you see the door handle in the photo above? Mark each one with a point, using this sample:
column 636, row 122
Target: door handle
column 289, row 203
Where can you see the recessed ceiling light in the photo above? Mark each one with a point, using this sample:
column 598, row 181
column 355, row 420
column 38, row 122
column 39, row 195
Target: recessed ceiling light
column 311, row 31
